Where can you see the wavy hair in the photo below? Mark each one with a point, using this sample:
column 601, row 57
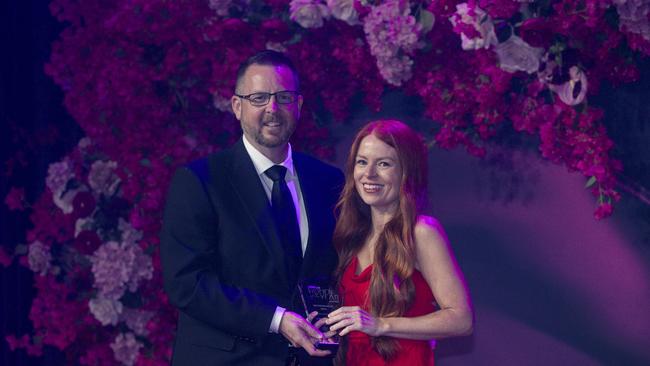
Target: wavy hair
column 391, row 288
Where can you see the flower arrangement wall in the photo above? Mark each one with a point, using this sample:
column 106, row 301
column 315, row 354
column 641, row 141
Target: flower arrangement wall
column 150, row 83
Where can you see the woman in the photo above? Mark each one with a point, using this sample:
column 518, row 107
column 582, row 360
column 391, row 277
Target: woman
column 400, row 284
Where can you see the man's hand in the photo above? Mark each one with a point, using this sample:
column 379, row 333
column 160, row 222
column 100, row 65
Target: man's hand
column 301, row 333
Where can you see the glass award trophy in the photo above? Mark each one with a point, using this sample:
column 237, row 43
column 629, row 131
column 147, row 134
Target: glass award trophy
column 320, row 295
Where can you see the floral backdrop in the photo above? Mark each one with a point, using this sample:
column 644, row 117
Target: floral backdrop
column 149, row 83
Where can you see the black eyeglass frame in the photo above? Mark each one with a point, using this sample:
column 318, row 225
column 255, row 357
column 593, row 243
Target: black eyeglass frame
column 295, row 95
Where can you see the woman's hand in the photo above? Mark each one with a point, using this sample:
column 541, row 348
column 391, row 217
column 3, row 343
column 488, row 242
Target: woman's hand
column 349, row 318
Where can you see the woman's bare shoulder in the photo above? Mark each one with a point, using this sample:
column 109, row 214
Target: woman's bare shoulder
column 428, row 229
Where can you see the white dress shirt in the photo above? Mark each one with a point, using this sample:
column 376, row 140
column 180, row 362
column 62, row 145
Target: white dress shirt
column 262, row 163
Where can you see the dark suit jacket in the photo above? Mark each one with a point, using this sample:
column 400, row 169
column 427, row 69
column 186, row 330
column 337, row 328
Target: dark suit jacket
column 223, row 264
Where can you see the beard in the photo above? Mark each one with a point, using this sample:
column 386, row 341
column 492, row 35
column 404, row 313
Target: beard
column 276, row 139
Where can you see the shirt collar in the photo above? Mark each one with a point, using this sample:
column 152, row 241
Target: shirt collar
column 262, row 163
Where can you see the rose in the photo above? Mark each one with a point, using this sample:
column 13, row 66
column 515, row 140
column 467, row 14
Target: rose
column 517, row 55
column 344, row 10
column 87, row 242
column 83, row 204
column 308, row 13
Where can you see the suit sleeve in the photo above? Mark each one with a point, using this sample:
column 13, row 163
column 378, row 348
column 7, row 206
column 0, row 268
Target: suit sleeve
column 188, row 239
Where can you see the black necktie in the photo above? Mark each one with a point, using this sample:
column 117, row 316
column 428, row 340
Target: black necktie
column 284, row 213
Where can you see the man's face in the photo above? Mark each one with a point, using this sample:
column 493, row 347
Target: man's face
column 269, row 126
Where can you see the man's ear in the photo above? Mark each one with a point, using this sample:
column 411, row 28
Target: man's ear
column 235, row 103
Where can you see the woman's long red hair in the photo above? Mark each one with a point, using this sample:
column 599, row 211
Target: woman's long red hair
column 391, row 289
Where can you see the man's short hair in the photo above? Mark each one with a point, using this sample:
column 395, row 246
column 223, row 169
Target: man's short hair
column 270, row 58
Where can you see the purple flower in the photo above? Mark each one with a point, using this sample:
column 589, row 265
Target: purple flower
column 39, row 258
column 58, row 175
column 118, row 266
column 126, row 348
column 137, row 320
column 392, row 34
column 102, row 178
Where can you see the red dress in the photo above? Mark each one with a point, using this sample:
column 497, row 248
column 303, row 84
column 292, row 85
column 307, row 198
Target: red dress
column 354, row 290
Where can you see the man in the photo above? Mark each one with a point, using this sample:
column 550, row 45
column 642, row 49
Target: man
column 236, row 238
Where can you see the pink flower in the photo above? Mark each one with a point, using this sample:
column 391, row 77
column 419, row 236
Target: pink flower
column 15, row 199
column 480, row 33
column 604, row 210
column 87, row 242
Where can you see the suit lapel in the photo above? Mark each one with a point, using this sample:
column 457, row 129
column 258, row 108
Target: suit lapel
column 309, row 188
column 246, row 184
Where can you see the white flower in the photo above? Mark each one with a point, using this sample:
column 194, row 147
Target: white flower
column 126, row 348
column 573, row 91
column 39, row 258
column 106, row 311
column 102, row 178
column 58, row 175
column 479, row 19
column 344, row 10
column 63, row 199
column 308, row 13
column 517, row 55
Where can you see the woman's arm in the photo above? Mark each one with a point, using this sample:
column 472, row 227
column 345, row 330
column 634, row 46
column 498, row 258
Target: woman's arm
column 441, row 272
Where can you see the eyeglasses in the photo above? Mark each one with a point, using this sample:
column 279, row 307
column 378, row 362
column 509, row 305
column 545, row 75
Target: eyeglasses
column 262, row 99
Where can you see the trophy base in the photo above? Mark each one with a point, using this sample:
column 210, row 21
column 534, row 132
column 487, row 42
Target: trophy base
column 328, row 346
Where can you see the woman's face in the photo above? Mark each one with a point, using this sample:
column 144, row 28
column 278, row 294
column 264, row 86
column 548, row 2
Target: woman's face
column 378, row 174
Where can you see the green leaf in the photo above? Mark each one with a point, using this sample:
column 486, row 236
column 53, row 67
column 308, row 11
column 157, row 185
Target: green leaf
column 426, row 20
column 590, row 182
